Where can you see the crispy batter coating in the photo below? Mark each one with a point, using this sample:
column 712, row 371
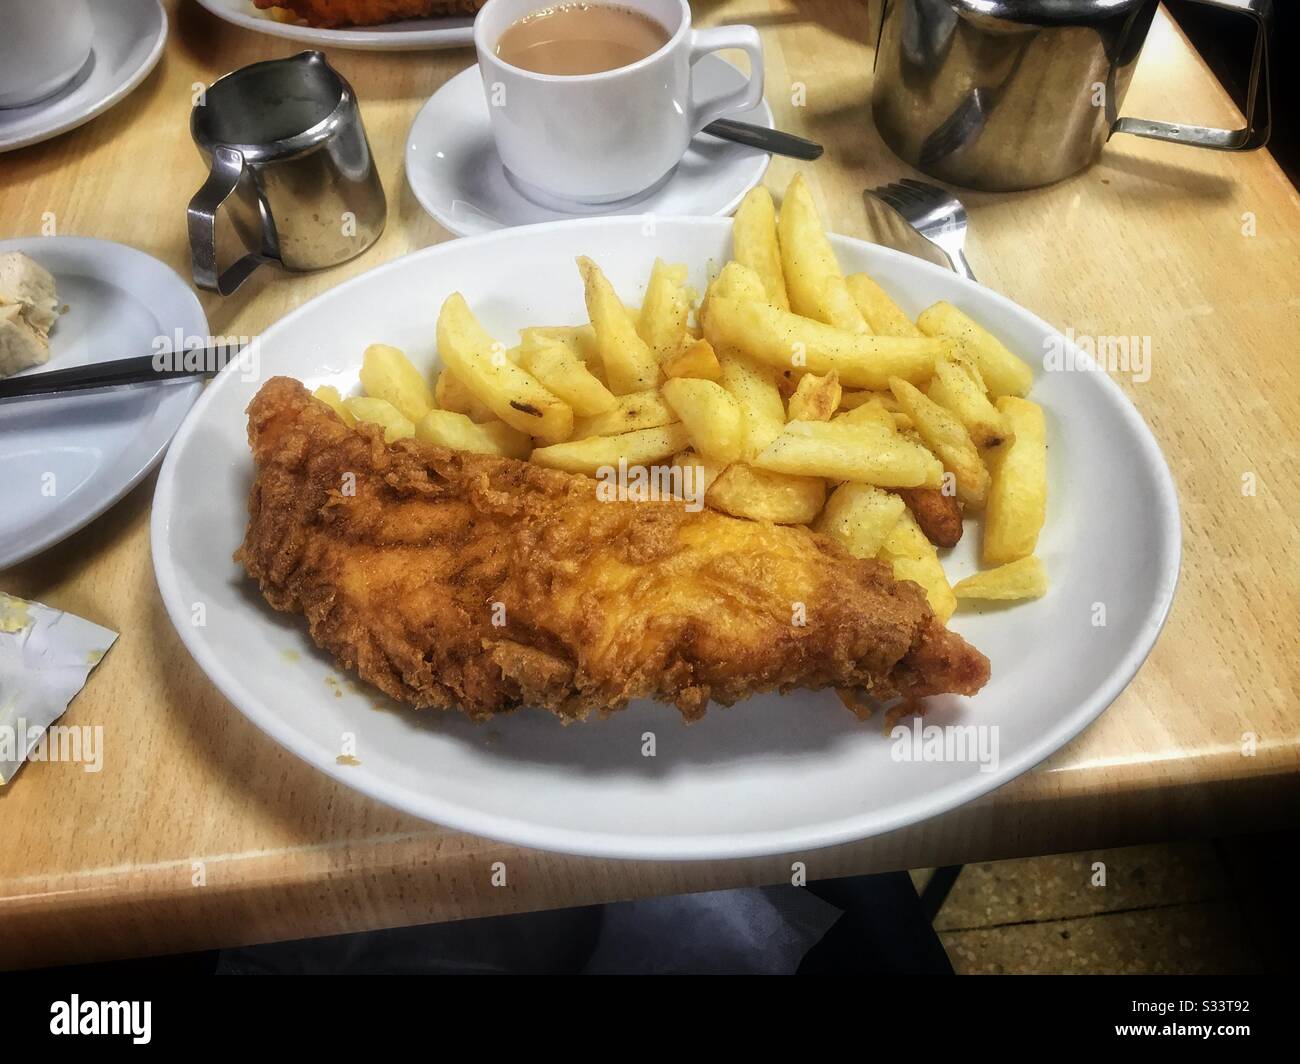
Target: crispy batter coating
column 328, row 14
column 458, row 580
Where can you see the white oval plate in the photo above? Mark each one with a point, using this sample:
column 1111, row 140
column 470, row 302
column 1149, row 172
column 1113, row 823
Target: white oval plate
column 771, row 775
column 454, row 170
column 128, row 40
column 409, row 35
column 64, row 460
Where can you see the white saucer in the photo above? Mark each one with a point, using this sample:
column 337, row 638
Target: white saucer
column 412, row 34
column 454, row 170
column 129, row 38
column 64, row 460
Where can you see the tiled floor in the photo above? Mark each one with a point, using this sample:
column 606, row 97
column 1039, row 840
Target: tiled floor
column 1184, row 908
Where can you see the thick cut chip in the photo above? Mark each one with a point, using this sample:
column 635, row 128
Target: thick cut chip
column 812, row 275
column 513, row 394
column 754, row 243
column 1017, row 503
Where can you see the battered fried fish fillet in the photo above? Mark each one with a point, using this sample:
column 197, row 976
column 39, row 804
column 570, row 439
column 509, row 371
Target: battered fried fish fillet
column 327, row 14
column 451, row 579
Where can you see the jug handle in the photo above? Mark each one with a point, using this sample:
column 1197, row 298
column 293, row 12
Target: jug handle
column 1255, row 134
column 201, row 218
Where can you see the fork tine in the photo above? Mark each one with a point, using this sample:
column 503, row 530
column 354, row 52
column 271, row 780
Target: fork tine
column 923, row 189
column 898, row 192
column 935, row 198
column 927, row 197
column 910, row 195
column 887, row 198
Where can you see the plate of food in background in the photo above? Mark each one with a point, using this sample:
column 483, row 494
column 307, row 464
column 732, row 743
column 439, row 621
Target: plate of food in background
column 578, row 473
column 68, row 301
column 366, row 25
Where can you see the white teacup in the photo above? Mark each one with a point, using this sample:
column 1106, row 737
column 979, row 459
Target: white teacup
column 578, row 140
column 43, row 46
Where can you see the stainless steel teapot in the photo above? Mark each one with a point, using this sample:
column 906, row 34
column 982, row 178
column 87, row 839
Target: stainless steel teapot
column 1011, row 94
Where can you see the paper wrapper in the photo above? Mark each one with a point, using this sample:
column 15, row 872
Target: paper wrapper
column 45, row 657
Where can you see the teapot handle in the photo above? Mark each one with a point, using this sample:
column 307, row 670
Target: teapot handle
column 1254, row 134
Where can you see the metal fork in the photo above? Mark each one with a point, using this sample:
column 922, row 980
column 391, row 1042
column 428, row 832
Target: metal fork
column 933, row 213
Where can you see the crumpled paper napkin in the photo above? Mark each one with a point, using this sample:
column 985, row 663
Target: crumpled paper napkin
column 45, row 657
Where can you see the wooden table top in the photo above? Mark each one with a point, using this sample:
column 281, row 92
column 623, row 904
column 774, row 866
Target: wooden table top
column 200, row 831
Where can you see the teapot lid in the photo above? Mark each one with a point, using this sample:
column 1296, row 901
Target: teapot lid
column 1080, row 12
